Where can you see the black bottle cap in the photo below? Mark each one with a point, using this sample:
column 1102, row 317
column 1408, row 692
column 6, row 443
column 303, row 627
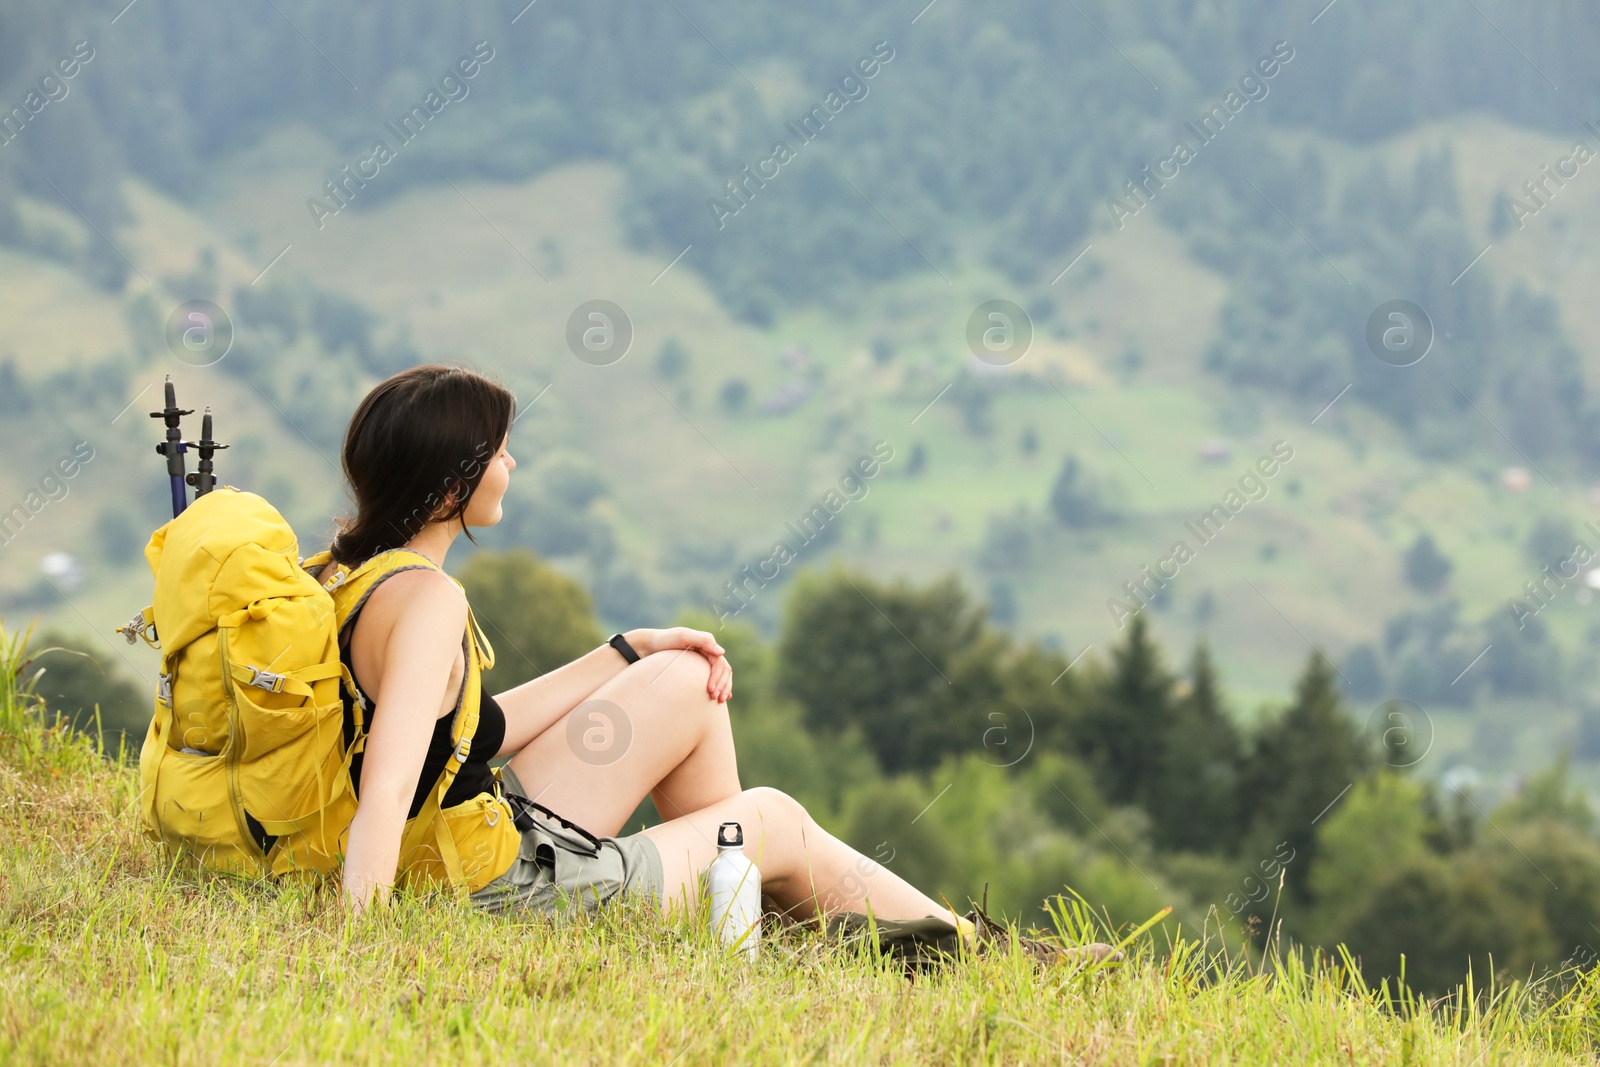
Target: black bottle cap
column 730, row 838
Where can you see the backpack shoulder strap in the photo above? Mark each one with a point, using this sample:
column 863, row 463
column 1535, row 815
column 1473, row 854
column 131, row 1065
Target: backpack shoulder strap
column 350, row 589
column 351, row 586
column 429, row 832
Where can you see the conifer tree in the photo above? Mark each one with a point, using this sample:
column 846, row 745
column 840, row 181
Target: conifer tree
column 1299, row 766
column 1426, row 567
column 1127, row 724
column 1196, row 796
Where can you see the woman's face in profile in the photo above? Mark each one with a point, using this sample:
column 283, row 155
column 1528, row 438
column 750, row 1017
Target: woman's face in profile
column 484, row 508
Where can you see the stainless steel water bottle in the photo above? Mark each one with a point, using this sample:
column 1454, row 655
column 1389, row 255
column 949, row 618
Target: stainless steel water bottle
column 733, row 885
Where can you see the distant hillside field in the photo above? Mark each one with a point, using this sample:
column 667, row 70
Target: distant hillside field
column 1423, row 528
column 690, row 489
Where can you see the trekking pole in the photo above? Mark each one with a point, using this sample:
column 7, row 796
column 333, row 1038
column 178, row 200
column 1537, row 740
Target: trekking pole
column 202, row 478
column 173, row 448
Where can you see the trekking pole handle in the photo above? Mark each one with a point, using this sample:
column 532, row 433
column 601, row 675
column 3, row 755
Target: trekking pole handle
column 203, row 479
column 173, row 448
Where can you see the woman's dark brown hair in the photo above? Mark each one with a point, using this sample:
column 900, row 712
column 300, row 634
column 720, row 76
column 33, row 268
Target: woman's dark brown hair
column 415, row 439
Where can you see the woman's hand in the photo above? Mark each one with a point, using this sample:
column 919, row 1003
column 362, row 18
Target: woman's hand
column 720, row 685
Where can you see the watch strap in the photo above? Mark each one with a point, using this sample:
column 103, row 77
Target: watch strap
column 620, row 643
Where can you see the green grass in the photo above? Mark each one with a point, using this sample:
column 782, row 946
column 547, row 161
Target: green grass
column 111, row 954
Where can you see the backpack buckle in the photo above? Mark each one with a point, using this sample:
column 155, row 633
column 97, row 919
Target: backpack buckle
column 462, row 749
column 272, row 683
column 164, row 689
column 337, row 580
column 134, row 627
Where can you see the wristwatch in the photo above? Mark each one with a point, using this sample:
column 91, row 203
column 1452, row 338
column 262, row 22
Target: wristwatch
column 620, row 643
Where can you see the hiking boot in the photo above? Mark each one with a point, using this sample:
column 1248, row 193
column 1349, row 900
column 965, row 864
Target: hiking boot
column 994, row 936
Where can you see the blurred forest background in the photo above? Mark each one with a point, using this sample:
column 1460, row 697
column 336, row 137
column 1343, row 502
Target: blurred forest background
column 1375, row 684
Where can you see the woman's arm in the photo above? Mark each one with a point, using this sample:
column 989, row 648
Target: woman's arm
column 534, row 706
column 430, row 620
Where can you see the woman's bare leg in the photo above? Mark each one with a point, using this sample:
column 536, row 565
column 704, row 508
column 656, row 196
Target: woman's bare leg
column 679, row 750
column 651, row 730
column 803, row 867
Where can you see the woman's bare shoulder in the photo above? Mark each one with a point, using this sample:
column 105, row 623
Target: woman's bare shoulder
column 425, row 595
column 421, row 587
column 412, row 618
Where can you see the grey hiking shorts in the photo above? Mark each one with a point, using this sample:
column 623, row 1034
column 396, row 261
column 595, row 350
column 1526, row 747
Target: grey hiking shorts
column 558, row 866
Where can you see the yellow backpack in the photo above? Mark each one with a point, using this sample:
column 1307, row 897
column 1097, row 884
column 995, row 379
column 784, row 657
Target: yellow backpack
column 245, row 767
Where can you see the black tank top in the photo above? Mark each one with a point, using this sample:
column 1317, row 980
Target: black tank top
column 473, row 778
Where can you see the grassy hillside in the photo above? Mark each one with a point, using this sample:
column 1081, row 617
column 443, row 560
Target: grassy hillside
column 689, row 491
column 109, row 951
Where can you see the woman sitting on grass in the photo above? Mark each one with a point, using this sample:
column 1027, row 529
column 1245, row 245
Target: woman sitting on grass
column 419, row 431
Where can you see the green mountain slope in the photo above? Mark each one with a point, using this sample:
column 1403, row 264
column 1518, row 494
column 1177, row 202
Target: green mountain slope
column 643, row 479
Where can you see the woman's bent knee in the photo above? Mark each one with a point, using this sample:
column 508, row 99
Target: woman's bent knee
column 680, row 662
column 776, row 807
column 680, row 668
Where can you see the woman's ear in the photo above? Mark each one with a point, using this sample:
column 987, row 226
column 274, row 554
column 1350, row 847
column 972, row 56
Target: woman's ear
column 440, row 506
